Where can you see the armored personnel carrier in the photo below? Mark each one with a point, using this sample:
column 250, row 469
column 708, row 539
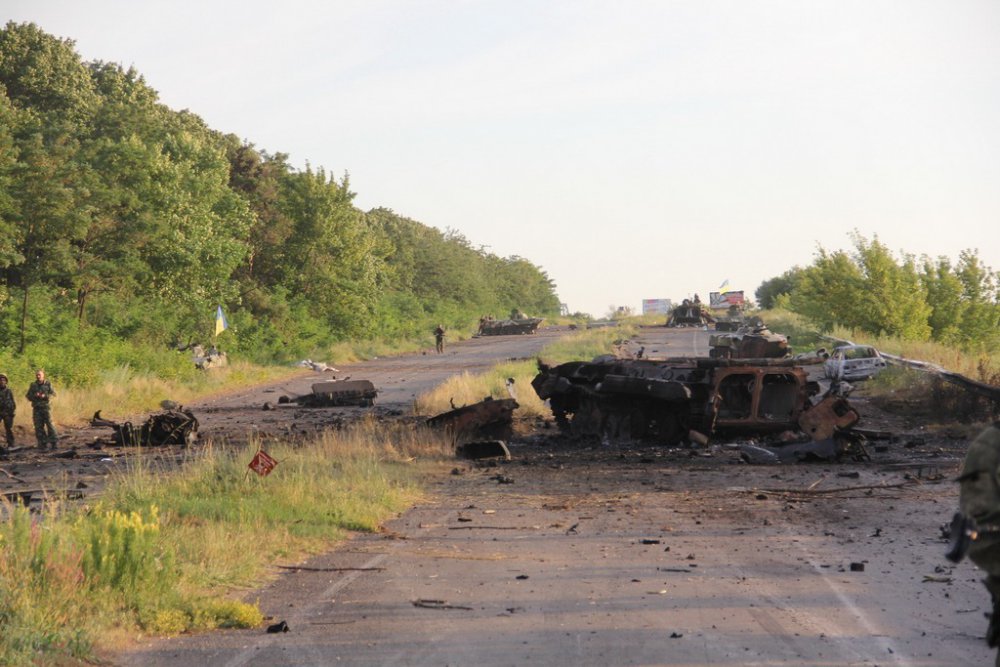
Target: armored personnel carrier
column 523, row 325
column 666, row 400
column 748, row 343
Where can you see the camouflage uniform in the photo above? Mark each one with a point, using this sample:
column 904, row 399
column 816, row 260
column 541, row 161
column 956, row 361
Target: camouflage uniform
column 979, row 500
column 7, row 408
column 39, row 394
column 439, row 339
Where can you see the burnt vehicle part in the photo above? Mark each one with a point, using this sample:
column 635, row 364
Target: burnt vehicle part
column 170, row 427
column 489, row 419
column 748, row 343
column 337, row 393
column 836, row 448
column 664, row 400
column 527, row 325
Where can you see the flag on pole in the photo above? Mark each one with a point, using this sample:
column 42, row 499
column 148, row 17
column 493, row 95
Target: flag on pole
column 262, row 463
column 221, row 324
column 724, row 286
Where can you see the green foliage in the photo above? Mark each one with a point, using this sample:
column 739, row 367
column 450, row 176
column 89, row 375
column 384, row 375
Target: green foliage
column 136, row 221
column 872, row 291
column 769, row 291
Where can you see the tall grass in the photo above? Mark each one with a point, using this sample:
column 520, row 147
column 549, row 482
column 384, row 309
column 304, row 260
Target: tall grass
column 803, row 336
column 470, row 388
column 162, row 553
column 123, row 391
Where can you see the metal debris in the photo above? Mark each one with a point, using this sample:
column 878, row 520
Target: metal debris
column 170, row 427
column 484, row 449
column 337, row 393
column 490, row 418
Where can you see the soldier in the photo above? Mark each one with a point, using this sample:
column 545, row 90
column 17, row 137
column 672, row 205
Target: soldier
column 40, row 393
column 979, row 500
column 7, row 408
column 439, row 339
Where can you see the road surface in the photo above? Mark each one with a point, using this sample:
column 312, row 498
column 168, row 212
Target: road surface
column 613, row 555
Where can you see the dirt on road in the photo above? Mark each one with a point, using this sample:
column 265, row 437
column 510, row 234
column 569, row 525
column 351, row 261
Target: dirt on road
column 583, row 553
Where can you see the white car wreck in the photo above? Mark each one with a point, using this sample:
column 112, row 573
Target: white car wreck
column 850, row 363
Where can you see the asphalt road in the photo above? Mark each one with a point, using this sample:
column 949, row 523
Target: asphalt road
column 612, row 555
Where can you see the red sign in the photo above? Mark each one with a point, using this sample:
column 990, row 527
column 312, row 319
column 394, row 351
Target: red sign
column 262, row 463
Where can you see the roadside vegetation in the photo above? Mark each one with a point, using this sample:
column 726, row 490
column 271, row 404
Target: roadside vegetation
column 926, row 306
column 124, row 224
column 165, row 554
column 470, row 388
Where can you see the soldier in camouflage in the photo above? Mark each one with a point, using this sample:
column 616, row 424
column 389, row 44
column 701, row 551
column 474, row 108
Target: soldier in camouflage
column 7, row 408
column 40, row 393
column 979, row 500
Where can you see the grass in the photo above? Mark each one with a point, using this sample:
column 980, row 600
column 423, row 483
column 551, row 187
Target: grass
column 470, row 388
column 906, row 391
column 122, row 391
column 156, row 553
column 802, row 335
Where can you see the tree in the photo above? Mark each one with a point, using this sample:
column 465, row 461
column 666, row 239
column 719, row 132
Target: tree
column 771, row 289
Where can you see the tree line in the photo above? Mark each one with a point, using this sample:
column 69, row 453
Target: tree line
column 122, row 219
column 870, row 289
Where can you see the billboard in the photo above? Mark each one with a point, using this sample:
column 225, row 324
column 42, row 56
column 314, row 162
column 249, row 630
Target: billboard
column 661, row 306
column 725, row 299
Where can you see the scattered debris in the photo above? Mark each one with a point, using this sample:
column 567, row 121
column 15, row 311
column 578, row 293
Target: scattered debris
column 281, row 626
column 318, row 366
column 170, row 427
column 484, row 449
column 438, row 604
column 336, row 393
column 490, row 418
column 208, row 359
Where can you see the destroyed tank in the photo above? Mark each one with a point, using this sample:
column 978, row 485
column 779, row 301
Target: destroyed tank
column 666, row 400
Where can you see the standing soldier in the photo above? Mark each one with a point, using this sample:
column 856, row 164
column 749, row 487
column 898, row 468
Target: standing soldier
column 979, row 500
column 439, row 339
column 40, row 393
column 7, row 408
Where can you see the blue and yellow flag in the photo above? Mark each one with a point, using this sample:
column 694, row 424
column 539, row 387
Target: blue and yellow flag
column 724, row 286
column 220, row 321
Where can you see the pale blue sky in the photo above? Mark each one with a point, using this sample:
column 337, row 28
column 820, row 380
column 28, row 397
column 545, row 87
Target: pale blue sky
column 632, row 149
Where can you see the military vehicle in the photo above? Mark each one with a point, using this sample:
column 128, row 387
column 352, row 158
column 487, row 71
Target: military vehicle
column 689, row 314
column 748, row 343
column 523, row 325
column 666, row 400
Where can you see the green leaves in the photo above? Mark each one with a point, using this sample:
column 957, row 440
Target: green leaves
column 132, row 219
column 872, row 290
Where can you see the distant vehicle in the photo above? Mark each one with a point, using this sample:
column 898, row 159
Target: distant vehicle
column 854, row 362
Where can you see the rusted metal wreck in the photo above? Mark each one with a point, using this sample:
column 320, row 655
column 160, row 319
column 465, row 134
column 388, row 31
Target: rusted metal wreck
column 669, row 401
column 490, row 418
column 337, row 393
column 170, row 427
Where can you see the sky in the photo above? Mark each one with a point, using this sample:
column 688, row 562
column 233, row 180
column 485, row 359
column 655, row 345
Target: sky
column 631, row 149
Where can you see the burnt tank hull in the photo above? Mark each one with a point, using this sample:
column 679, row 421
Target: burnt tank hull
column 664, row 401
